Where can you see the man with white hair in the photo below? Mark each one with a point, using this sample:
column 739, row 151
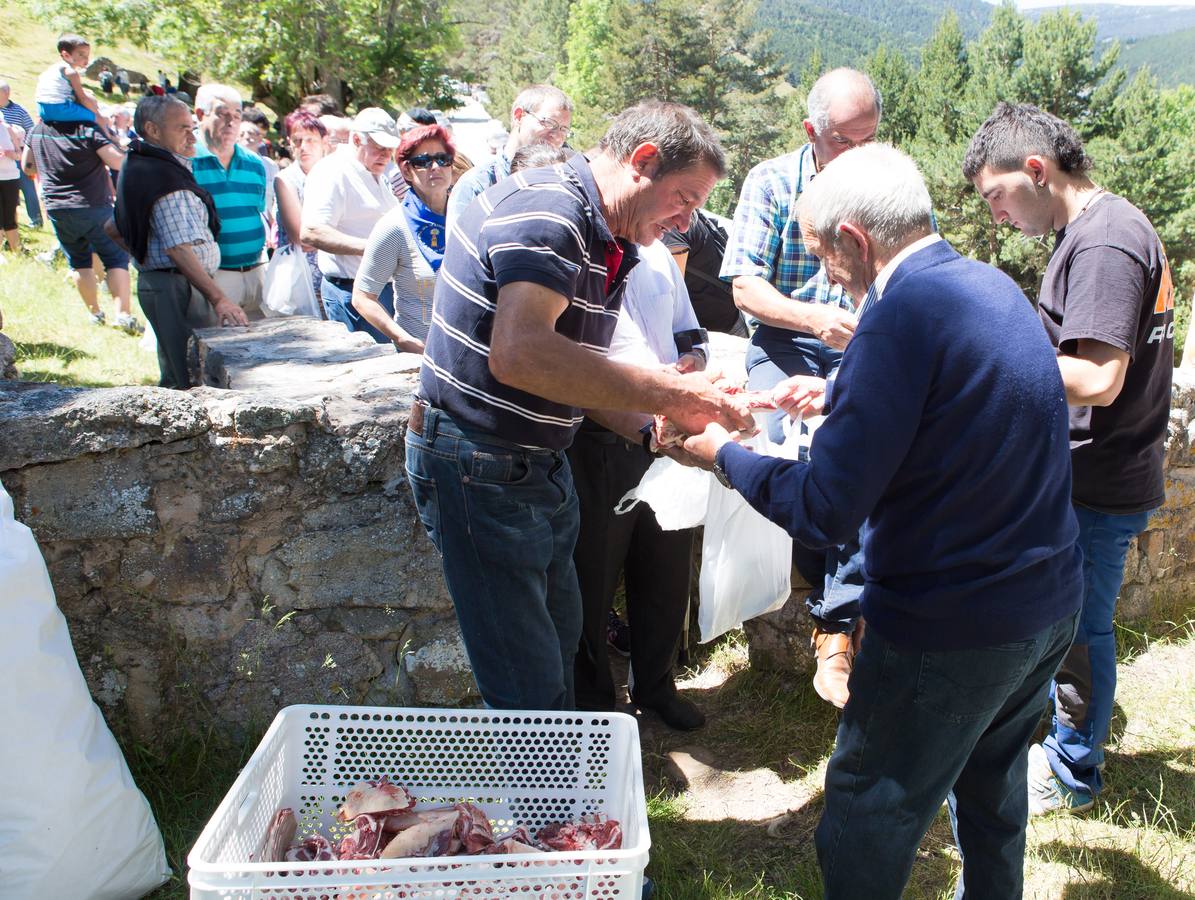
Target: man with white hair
column 346, row 194
column 802, row 323
column 236, row 179
column 541, row 114
column 946, row 439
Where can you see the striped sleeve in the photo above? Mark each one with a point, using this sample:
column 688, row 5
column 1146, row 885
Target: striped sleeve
column 532, row 236
column 385, row 247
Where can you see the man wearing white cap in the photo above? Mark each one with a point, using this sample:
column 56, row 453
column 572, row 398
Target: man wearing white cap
column 345, row 196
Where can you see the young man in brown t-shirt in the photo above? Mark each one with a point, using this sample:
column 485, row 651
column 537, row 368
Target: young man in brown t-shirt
column 1107, row 303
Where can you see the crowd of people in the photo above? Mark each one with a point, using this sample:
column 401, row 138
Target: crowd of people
column 965, row 508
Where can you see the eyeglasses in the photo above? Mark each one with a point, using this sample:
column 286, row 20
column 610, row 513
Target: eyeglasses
column 551, row 125
column 425, row 160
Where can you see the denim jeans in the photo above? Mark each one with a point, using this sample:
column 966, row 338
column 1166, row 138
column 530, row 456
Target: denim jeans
column 338, row 306
column 837, row 573
column 1086, row 683
column 921, row 725
column 32, row 205
column 80, row 231
column 505, row 521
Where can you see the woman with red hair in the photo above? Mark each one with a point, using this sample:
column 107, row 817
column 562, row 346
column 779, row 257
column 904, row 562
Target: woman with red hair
column 308, row 141
column 407, row 245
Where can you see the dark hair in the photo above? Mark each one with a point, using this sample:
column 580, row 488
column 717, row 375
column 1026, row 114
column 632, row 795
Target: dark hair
column 327, row 105
column 422, row 116
column 1014, row 132
column 416, row 136
column 257, row 117
column 152, row 108
column 69, row 43
column 533, row 156
column 679, row 133
column 301, row 118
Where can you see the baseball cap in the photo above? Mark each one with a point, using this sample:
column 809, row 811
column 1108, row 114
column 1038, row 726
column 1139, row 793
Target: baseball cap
column 376, row 123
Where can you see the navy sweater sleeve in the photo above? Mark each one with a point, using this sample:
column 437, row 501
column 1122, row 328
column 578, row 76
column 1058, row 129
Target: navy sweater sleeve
column 878, row 399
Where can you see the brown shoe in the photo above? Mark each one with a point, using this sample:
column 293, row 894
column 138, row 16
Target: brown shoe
column 834, row 655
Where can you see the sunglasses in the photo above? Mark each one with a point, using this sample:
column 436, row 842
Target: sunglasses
column 425, row 160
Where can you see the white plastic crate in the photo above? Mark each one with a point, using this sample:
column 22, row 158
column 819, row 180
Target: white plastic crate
column 522, row 768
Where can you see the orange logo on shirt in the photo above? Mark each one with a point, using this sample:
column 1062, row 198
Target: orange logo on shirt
column 1165, row 298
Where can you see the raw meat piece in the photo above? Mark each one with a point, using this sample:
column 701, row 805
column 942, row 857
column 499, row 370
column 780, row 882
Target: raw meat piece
column 312, row 848
column 433, row 835
column 664, row 433
column 509, row 845
column 375, row 798
column 596, row 832
column 280, row 836
column 473, row 829
column 363, row 841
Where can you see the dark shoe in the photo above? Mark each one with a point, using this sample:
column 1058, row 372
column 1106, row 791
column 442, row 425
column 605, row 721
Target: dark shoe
column 618, row 635
column 677, row 712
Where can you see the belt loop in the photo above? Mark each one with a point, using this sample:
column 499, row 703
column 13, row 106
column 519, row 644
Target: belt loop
column 431, row 419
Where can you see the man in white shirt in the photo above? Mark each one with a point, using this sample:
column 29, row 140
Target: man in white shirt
column 345, row 196
column 656, row 327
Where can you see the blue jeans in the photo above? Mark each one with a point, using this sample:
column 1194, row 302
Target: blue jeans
column 1086, row 684
column 338, row 306
column 80, row 231
column 922, row 725
column 32, row 206
column 837, row 574
column 505, row 521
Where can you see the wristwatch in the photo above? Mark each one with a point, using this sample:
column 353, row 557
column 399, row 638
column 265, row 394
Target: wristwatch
column 720, row 474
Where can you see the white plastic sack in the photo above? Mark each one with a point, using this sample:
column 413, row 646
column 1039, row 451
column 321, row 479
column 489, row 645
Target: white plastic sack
column 677, row 494
column 746, row 560
column 72, row 822
column 287, row 290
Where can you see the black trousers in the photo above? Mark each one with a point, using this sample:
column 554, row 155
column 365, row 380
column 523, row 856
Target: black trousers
column 655, row 565
column 164, row 298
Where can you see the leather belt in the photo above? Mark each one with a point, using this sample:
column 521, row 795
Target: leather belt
column 419, row 408
column 248, row 268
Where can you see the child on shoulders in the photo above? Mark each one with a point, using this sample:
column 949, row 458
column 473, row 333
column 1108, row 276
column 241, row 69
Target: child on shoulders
column 60, row 95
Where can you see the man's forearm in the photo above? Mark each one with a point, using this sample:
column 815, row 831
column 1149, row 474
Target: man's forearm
column 754, row 296
column 559, row 369
column 328, row 239
column 627, row 424
column 113, row 232
column 188, row 263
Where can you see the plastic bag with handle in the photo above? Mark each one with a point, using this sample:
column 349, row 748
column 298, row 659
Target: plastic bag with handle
column 287, row 290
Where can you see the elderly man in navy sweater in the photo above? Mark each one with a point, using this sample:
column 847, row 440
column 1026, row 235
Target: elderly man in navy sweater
column 946, row 439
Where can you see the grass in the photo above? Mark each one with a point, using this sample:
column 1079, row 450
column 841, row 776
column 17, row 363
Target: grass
column 27, row 47
column 1136, row 845
column 55, row 340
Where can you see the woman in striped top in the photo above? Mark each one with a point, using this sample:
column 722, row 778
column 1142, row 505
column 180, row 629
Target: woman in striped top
column 407, row 245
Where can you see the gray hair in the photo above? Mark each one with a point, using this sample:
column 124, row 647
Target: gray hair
column 875, row 187
column 209, row 95
column 4, row 86
column 834, row 83
column 681, row 136
column 534, row 98
column 153, row 108
column 535, row 156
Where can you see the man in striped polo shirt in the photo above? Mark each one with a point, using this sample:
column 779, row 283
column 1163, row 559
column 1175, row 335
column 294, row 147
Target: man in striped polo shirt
column 525, row 307
column 236, row 179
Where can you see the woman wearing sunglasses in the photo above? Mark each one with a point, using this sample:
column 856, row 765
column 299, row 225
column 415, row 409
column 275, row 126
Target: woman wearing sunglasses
column 407, row 245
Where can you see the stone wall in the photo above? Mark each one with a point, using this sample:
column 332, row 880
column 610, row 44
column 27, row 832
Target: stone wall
column 1159, row 571
column 226, row 551
column 222, row 553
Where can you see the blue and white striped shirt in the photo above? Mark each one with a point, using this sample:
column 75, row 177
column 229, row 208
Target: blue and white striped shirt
column 15, row 114
column 543, row 226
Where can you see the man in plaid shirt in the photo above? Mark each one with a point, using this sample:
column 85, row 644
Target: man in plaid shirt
column 803, row 321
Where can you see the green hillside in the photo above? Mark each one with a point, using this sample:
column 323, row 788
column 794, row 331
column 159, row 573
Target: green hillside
column 1170, row 56
column 844, row 31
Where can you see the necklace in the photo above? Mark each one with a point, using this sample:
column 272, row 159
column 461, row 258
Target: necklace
column 1090, row 200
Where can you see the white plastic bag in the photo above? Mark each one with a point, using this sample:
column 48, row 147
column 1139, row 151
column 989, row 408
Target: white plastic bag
column 746, row 560
column 677, row 494
column 287, row 290
column 72, row 822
